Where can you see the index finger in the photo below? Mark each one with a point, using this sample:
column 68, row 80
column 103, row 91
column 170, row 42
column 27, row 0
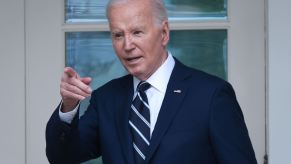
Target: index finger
column 70, row 72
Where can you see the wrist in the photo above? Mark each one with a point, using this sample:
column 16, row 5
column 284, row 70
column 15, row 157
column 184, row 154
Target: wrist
column 67, row 107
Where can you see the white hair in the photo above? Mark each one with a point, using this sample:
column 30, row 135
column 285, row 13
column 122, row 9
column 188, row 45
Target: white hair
column 158, row 6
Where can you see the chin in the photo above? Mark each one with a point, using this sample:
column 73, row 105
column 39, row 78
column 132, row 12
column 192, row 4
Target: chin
column 134, row 71
column 137, row 75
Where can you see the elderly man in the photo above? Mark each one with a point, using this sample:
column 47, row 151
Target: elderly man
column 162, row 112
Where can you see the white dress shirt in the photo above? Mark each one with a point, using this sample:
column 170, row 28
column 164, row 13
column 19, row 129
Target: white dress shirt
column 155, row 94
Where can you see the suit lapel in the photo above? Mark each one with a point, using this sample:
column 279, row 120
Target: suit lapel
column 122, row 118
column 176, row 91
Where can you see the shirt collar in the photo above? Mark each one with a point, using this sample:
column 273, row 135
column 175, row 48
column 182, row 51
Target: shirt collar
column 162, row 75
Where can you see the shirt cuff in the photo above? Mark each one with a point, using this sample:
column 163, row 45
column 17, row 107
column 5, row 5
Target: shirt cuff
column 68, row 116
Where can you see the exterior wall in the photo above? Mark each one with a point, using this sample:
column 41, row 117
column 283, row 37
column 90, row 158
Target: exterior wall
column 279, row 80
column 12, row 82
column 45, row 62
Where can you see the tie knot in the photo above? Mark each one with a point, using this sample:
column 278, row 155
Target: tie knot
column 143, row 86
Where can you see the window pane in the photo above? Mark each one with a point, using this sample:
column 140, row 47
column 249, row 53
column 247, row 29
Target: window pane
column 196, row 9
column 84, row 10
column 202, row 49
column 94, row 10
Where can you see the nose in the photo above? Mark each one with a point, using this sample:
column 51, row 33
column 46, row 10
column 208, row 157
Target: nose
column 128, row 43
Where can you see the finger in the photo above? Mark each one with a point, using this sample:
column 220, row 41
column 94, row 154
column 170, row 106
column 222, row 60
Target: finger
column 71, row 96
column 72, row 77
column 86, row 80
column 78, row 83
column 74, row 89
column 70, row 72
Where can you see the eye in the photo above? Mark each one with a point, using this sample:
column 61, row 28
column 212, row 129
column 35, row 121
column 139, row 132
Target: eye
column 117, row 35
column 137, row 33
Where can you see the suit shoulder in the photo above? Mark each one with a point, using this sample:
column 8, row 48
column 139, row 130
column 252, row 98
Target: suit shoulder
column 196, row 75
column 197, row 79
column 207, row 82
column 205, row 78
column 211, row 81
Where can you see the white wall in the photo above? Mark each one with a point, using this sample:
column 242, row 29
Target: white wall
column 45, row 62
column 279, row 67
column 12, row 82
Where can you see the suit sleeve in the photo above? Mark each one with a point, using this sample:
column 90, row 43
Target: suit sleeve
column 58, row 137
column 229, row 134
column 75, row 142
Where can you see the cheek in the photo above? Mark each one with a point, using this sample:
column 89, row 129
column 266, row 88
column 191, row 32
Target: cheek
column 115, row 45
column 117, row 48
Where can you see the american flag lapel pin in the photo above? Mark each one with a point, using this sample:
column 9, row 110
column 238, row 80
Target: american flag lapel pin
column 177, row 91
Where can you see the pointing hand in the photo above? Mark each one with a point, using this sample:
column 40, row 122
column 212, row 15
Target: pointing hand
column 73, row 89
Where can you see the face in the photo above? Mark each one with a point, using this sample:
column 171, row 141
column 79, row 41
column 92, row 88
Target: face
column 138, row 40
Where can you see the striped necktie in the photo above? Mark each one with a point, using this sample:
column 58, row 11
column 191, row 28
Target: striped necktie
column 139, row 121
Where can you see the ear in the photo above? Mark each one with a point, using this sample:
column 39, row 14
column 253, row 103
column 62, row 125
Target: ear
column 165, row 33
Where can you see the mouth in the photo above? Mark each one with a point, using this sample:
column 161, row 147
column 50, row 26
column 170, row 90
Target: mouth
column 133, row 60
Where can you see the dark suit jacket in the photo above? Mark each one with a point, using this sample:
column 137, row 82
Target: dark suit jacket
column 201, row 125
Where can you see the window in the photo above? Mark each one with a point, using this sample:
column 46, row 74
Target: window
column 78, row 11
column 198, row 38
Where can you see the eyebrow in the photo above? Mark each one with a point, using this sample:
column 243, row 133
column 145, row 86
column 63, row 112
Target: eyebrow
column 138, row 27
column 116, row 32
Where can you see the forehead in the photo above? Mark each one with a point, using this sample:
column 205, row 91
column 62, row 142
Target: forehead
column 138, row 11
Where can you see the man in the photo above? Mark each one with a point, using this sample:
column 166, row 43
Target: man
column 161, row 113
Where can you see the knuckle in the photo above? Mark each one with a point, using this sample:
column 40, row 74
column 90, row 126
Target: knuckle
column 86, row 87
